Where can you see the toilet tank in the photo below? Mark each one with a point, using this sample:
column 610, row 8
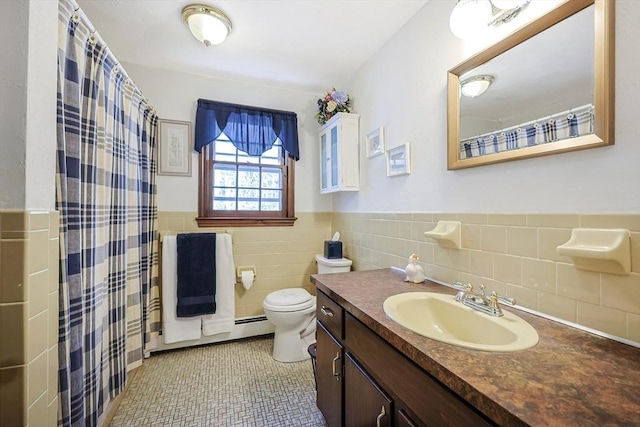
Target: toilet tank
column 328, row 266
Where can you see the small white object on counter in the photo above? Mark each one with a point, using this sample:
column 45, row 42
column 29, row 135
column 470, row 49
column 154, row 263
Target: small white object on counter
column 415, row 272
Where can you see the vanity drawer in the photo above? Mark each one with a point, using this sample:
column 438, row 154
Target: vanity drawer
column 331, row 315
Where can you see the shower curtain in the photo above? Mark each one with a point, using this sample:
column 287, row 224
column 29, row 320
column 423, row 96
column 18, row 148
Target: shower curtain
column 105, row 193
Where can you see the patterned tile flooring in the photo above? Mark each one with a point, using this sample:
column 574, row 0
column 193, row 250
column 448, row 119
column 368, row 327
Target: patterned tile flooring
column 228, row 384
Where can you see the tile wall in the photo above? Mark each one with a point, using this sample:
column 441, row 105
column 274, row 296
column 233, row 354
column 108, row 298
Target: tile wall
column 28, row 318
column 284, row 257
column 512, row 254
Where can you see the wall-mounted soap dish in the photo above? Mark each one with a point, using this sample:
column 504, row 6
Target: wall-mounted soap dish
column 446, row 233
column 602, row 250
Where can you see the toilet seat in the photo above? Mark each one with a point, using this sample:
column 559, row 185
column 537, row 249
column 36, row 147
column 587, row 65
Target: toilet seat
column 291, row 299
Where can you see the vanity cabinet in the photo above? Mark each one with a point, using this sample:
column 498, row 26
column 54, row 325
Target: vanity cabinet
column 339, row 156
column 377, row 384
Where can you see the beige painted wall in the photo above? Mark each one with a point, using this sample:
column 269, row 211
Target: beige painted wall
column 28, row 40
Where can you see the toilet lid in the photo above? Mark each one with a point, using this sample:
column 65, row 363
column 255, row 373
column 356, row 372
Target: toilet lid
column 288, row 297
column 291, row 308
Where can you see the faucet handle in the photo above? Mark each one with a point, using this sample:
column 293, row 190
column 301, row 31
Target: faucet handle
column 500, row 298
column 493, row 303
column 462, row 287
column 507, row 300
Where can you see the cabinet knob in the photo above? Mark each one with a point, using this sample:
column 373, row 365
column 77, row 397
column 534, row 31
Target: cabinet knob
column 380, row 416
column 326, row 311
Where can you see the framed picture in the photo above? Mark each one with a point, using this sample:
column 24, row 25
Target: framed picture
column 174, row 148
column 375, row 142
column 398, row 160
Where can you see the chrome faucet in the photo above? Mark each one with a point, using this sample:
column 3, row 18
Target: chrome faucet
column 480, row 301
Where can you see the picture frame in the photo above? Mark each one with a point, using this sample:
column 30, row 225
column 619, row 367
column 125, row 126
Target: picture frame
column 375, row 142
column 399, row 160
column 174, row 147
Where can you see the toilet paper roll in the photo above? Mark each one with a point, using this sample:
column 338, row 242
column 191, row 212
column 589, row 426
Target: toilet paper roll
column 247, row 279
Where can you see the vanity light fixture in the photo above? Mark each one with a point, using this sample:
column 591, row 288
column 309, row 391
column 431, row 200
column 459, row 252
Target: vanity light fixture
column 208, row 24
column 469, row 17
column 476, row 85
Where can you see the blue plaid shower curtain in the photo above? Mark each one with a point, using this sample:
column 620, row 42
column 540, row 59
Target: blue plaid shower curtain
column 105, row 193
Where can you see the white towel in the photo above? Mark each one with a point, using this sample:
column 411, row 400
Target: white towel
column 174, row 328
column 224, row 318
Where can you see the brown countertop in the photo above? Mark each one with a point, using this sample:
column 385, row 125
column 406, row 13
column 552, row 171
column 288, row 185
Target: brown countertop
column 570, row 377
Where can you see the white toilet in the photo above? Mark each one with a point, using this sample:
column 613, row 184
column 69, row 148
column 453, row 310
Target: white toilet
column 293, row 312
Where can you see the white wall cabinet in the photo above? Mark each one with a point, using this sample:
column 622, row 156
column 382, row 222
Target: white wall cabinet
column 339, row 155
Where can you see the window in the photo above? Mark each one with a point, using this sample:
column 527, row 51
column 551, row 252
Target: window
column 247, row 157
column 237, row 189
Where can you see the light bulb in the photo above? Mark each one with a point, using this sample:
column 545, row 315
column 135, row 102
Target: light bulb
column 470, row 17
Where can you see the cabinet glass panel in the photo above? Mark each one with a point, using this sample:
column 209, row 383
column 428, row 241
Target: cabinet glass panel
column 334, row 156
column 324, row 159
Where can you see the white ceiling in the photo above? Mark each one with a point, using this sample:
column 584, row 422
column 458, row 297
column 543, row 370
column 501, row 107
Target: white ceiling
column 307, row 44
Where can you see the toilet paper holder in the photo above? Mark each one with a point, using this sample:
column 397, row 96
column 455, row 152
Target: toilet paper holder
column 239, row 271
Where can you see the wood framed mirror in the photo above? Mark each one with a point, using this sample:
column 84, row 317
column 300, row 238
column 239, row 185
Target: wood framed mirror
column 551, row 89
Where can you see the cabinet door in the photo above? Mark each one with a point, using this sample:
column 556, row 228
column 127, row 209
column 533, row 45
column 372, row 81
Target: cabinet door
column 335, row 156
column 324, row 161
column 329, row 377
column 365, row 404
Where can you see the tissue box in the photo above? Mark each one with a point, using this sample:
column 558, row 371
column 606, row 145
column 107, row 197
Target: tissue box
column 332, row 249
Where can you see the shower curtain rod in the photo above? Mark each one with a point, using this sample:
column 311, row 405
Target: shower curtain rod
column 94, row 33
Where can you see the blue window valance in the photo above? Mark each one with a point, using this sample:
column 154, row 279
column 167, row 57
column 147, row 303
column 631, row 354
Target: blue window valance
column 251, row 130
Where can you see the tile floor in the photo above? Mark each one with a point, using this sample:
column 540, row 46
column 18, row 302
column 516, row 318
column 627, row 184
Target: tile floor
column 228, row 384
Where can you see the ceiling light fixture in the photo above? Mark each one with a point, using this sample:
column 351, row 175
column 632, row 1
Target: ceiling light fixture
column 469, row 17
column 208, row 24
column 476, row 85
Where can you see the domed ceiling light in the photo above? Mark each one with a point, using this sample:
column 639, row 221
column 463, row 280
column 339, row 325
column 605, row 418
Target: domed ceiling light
column 208, row 24
column 476, row 85
column 470, row 17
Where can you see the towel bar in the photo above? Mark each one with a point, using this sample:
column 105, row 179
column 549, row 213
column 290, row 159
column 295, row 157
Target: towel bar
column 171, row 233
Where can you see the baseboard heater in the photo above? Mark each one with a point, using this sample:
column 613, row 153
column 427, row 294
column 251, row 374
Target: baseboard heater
column 244, row 327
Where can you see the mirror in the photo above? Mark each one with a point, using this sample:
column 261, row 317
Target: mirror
column 551, row 89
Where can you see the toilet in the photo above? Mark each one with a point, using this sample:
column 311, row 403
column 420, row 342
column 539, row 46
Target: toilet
column 293, row 313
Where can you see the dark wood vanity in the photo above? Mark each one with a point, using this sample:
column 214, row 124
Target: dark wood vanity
column 371, row 371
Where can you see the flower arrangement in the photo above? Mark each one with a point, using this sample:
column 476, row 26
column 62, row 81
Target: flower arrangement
column 334, row 101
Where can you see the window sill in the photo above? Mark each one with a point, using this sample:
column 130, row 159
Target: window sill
column 245, row 222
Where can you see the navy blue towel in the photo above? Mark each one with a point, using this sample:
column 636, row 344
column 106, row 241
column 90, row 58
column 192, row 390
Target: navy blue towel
column 196, row 274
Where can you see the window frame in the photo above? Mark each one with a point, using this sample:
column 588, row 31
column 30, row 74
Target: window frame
column 207, row 217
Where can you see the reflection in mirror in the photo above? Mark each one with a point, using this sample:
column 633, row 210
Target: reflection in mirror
column 548, row 89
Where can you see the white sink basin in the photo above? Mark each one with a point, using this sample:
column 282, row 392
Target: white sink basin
column 442, row 318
